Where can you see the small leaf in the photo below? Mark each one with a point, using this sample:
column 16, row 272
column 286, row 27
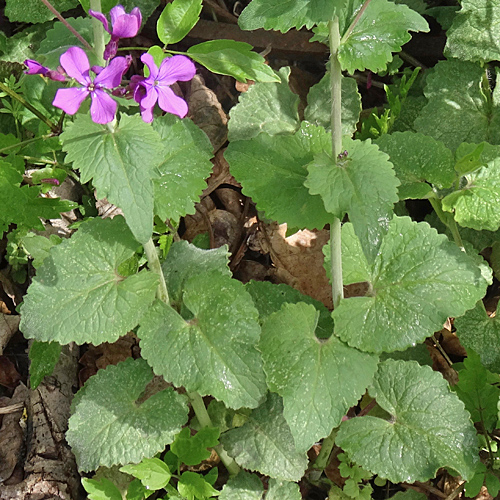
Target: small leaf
column 243, row 486
column 101, row 490
column 109, row 426
column 386, row 26
column 192, row 485
column 177, row 20
column 276, row 180
column 153, row 473
column 415, row 266
column 265, row 444
column 314, row 377
column 266, row 107
column 429, row 427
column 104, row 305
column 279, row 490
column 192, row 450
column 236, row 59
column 363, row 184
column 212, row 351
column 44, row 357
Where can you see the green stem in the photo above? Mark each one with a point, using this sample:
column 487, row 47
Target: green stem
column 6, row 149
column 53, row 127
column 449, row 221
column 155, row 266
column 323, row 458
column 98, row 31
column 204, row 418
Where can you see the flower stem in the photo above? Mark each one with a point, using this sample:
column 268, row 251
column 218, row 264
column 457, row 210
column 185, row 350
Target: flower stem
column 155, row 266
column 53, row 127
column 98, row 30
column 70, row 28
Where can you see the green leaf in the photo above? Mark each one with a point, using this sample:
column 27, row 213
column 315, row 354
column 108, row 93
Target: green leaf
column 315, row 378
column 429, row 427
column 282, row 15
column 192, row 485
column 480, row 397
column 192, row 450
column 418, row 159
column 492, row 484
column 147, row 6
column 236, row 59
column 386, row 26
column 279, row 490
column 212, row 350
column 118, row 165
column 363, row 184
column 184, row 260
column 458, row 109
column 184, row 167
column 23, row 45
column 319, row 104
column 59, row 40
column 243, row 486
column 479, row 332
column 44, row 357
column 266, row 107
column 473, row 35
column 104, row 305
column 477, row 204
column 265, row 444
column 137, row 491
column 101, row 490
column 269, row 297
column 177, row 20
column 113, row 424
column 415, row 266
column 153, row 473
column 276, row 180
column 35, row 12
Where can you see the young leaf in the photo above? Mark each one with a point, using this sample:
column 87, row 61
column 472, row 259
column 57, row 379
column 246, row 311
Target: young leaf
column 184, row 167
column 477, row 204
column 415, row 266
column 473, row 35
column 418, row 159
column 429, row 427
column 479, row 332
column 319, row 104
column 153, row 473
column 278, row 490
column 192, row 450
column 386, row 26
column 282, row 15
column 118, row 165
column 35, row 12
column 104, row 305
column 363, row 184
column 177, row 20
column 458, row 110
column 39, row 246
column 265, row 444
column 192, row 485
column 266, row 107
column 110, row 426
column 236, row 59
column 314, row 378
column 213, row 350
column 44, row 357
column 101, row 490
column 243, row 486
column 276, row 180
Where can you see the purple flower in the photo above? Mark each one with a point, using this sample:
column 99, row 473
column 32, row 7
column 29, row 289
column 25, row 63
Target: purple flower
column 124, row 26
column 35, row 68
column 76, row 64
column 156, row 87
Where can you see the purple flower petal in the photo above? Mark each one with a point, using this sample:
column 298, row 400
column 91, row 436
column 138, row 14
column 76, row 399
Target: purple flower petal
column 149, row 99
column 111, row 76
column 76, row 64
column 69, row 100
column 100, row 17
column 148, row 60
column 103, row 107
column 147, row 114
column 116, row 12
column 126, row 26
column 171, row 103
column 110, row 49
column 175, row 69
column 35, row 68
column 56, row 76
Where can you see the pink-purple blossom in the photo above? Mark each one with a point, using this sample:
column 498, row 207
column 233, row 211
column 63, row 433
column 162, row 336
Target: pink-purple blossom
column 156, row 87
column 76, row 64
column 123, row 26
column 35, row 68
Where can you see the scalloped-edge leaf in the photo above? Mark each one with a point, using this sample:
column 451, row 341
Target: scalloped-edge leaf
column 243, row 486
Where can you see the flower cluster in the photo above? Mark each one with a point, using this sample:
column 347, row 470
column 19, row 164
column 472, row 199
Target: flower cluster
column 146, row 91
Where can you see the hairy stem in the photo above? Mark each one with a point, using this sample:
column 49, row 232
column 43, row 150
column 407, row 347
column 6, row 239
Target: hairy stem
column 155, row 266
column 53, row 127
column 98, row 31
column 70, row 28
